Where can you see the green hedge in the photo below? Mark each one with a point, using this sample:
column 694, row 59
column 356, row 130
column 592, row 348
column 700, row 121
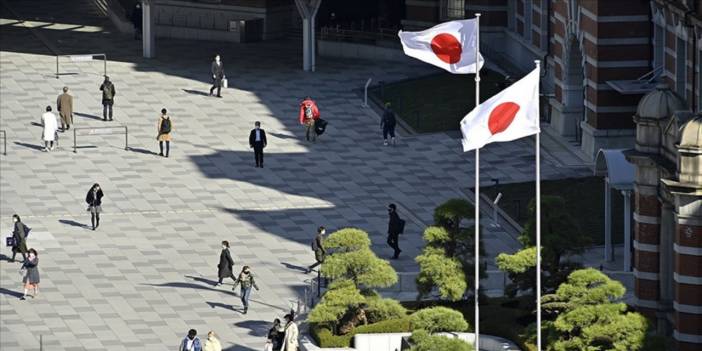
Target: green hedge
column 324, row 337
column 423, row 341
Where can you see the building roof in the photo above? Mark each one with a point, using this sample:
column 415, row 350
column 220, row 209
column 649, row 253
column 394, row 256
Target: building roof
column 691, row 134
column 660, row 103
column 613, row 164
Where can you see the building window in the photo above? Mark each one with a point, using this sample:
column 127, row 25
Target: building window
column 453, row 9
column 658, row 46
column 511, row 18
column 527, row 20
column 680, row 67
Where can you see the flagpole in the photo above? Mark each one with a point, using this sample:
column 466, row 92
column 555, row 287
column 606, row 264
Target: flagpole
column 538, row 222
column 477, row 186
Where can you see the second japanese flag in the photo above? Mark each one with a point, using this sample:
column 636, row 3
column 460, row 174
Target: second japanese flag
column 509, row 115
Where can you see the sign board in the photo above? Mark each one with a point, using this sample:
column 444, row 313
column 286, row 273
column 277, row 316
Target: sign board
column 79, row 58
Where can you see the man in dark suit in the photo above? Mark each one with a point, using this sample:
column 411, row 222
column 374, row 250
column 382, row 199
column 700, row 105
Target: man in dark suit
column 217, row 76
column 394, row 230
column 257, row 140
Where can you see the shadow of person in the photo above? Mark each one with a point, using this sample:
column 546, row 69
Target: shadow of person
column 294, row 267
column 196, row 92
column 8, row 292
column 222, row 305
column 31, row 146
column 282, row 136
column 72, row 223
column 142, row 151
column 203, row 280
column 86, row 115
column 256, row 328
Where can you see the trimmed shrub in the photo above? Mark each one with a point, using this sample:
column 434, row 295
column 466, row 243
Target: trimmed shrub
column 324, row 337
column 379, row 309
column 347, row 239
column 341, row 296
column 423, row 341
column 438, row 270
column 362, row 266
column 438, row 319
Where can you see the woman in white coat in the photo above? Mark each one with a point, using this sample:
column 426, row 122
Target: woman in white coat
column 48, row 120
column 291, row 334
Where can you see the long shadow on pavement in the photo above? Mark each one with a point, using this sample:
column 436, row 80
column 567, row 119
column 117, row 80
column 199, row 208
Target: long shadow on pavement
column 256, row 328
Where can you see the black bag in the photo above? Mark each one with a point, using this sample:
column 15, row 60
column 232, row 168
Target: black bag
column 320, row 126
column 313, row 244
column 10, row 241
column 401, row 226
column 165, row 126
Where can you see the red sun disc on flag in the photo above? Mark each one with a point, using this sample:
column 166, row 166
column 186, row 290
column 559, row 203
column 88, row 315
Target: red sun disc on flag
column 447, row 48
column 502, row 116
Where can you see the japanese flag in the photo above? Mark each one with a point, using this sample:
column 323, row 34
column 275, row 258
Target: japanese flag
column 509, row 115
column 449, row 45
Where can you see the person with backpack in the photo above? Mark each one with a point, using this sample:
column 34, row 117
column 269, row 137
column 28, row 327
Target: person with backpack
column 164, row 128
column 19, row 238
column 309, row 114
column 387, row 124
column 396, row 226
column 318, row 247
column 108, row 98
column 246, row 279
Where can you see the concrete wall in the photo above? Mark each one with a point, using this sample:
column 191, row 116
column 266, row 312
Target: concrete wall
column 341, row 49
column 188, row 20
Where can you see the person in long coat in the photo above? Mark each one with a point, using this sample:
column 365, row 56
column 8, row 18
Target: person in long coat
column 217, row 76
column 19, row 235
column 31, row 276
column 64, row 104
column 164, row 132
column 226, row 263
column 108, row 98
column 290, row 342
column 50, row 124
column 94, row 200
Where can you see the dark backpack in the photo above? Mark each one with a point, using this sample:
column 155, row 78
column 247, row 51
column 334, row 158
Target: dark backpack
column 314, row 244
column 401, row 226
column 165, row 126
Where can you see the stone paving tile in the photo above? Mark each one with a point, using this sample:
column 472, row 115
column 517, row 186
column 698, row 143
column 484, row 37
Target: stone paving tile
column 146, row 275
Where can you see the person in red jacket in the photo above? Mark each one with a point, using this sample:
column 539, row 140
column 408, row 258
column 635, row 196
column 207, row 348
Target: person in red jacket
column 309, row 113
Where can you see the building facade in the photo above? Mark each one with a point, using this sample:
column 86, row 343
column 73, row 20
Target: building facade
column 595, row 52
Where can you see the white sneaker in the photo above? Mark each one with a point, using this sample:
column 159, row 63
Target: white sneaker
column 385, row 142
column 52, row 148
column 46, row 149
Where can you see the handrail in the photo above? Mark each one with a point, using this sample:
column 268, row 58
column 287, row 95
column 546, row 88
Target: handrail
column 83, row 57
column 365, row 97
column 4, row 142
column 75, row 134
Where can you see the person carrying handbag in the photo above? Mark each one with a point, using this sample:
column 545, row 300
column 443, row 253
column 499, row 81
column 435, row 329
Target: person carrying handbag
column 19, row 238
column 217, row 76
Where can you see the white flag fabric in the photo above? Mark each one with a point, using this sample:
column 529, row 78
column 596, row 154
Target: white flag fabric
column 449, row 45
column 509, row 115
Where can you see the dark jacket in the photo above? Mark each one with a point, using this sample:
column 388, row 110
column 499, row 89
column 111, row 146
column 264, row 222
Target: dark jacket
column 276, row 337
column 19, row 233
column 217, row 70
column 137, row 16
column 252, row 137
column 108, row 93
column 388, row 119
column 32, row 276
column 394, row 224
column 319, row 251
column 225, row 264
column 94, row 200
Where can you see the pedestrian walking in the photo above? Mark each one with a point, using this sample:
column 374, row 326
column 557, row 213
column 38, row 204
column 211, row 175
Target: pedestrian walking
column 387, row 124
column 64, row 105
column 246, row 279
column 19, row 238
column 31, row 274
column 217, row 76
column 275, row 336
column 395, row 227
column 290, row 342
column 191, row 342
column 212, row 343
column 318, row 247
column 309, row 114
column 257, row 140
column 94, row 200
column 108, row 98
column 164, row 129
column 226, row 263
column 137, row 18
column 49, row 133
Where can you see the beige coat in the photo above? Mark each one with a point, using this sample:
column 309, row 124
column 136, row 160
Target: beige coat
column 64, row 103
column 290, row 339
column 163, row 137
column 212, row 344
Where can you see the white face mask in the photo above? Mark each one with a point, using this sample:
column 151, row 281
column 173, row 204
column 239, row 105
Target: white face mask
column 14, row 219
column 223, row 247
column 324, row 232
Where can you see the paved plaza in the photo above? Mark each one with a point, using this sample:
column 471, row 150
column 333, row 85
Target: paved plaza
column 146, row 275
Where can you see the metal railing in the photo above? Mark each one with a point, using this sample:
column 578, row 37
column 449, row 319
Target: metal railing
column 359, row 36
column 82, row 58
column 4, row 142
column 97, row 131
